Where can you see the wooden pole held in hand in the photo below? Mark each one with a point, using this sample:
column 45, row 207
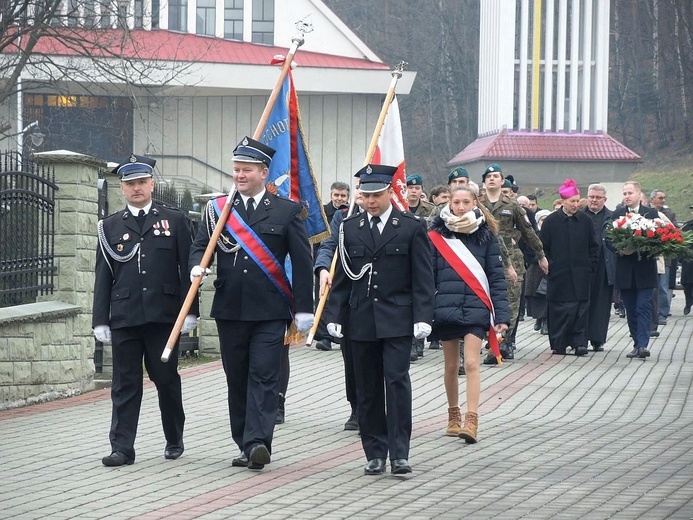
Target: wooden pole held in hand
column 396, row 74
column 223, row 217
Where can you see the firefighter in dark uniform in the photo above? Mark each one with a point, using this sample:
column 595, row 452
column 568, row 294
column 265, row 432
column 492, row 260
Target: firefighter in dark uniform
column 140, row 284
column 383, row 289
column 512, row 225
column 254, row 301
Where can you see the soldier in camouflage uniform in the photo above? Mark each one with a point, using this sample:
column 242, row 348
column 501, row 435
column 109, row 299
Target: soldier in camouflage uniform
column 513, row 225
column 422, row 209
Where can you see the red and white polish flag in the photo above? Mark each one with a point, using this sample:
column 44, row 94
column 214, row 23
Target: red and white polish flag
column 390, row 151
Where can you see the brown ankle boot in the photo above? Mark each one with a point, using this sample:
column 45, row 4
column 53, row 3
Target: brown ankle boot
column 468, row 431
column 454, row 422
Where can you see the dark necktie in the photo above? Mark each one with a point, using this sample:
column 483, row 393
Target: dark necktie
column 140, row 218
column 251, row 207
column 374, row 228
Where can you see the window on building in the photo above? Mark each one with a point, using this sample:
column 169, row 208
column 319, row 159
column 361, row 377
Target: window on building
column 122, row 14
column 97, row 126
column 156, row 13
column 73, row 15
column 90, row 18
column 233, row 19
column 106, row 14
column 178, row 15
column 263, row 21
column 205, row 17
column 139, row 14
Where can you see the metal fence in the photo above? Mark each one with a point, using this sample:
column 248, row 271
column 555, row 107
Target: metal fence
column 27, row 229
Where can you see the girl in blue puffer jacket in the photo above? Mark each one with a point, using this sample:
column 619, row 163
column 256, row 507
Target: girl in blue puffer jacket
column 468, row 272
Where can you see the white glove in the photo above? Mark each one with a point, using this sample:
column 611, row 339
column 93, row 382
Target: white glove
column 335, row 330
column 199, row 271
column 304, row 321
column 102, row 333
column 421, row 330
column 189, row 324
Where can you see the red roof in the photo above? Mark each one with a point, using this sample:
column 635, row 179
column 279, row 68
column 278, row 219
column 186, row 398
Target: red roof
column 546, row 146
column 172, row 46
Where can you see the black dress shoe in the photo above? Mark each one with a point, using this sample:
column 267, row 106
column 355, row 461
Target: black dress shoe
column 352, row 423
column 633, row 353
column 643, row 353
column 240, row 462
column 434, row 345
column 173, row 452
column 117, row 459
column 374, row 467
column 490, row 359
column 259, row 456
column 400, row 466
column 537, row 324
column 560, row 352
column 581, row 351
column 654, row 333
column 597, row 347
column 686, row 310
column 544, row 329
column 324, row 344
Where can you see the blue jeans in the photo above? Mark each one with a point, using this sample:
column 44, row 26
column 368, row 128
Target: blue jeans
column 664, row 298
column 638, row 304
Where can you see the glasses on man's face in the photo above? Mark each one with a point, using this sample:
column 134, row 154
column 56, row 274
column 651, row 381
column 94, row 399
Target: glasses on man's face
column 595, row 197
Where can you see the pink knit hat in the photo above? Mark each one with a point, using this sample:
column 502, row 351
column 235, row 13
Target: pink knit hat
column 568, row 189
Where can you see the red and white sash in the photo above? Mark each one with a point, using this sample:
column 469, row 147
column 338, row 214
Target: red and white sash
column 472, row 273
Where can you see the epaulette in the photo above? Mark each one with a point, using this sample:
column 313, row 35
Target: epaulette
column 409, row 214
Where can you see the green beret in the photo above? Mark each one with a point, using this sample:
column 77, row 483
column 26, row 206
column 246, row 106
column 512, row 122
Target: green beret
column 456, row 173
column 492, row 168
column 414, row 180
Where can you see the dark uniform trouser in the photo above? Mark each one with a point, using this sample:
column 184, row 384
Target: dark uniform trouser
column 251, row 355
column 382, row 375
column 349, row 372
column 130, row 345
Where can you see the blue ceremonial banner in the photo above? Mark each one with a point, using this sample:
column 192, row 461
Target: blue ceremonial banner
column 290, row 173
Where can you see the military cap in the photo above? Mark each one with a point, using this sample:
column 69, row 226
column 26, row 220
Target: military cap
column 414, row 180
column 136, row 167
column 375, row 177
column 457, row 173
column 506, row 184
column 252, row 151
column 492, row 168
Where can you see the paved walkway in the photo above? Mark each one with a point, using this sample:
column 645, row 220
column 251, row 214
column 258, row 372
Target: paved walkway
column 560, row 437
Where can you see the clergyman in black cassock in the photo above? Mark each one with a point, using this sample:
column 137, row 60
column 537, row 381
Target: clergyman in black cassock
column 572, row 250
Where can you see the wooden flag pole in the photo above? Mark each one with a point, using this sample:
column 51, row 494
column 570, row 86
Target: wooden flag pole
column 396, row 74
column 296, row 42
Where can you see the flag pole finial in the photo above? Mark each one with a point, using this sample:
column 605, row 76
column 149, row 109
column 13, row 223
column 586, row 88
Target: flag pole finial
column 303, row 26
column 399, row 69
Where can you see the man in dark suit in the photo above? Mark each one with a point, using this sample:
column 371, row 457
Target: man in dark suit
column 636, row 278
column 140, row 284
column 383, row 289
column 254, row 301
column 602, row 284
